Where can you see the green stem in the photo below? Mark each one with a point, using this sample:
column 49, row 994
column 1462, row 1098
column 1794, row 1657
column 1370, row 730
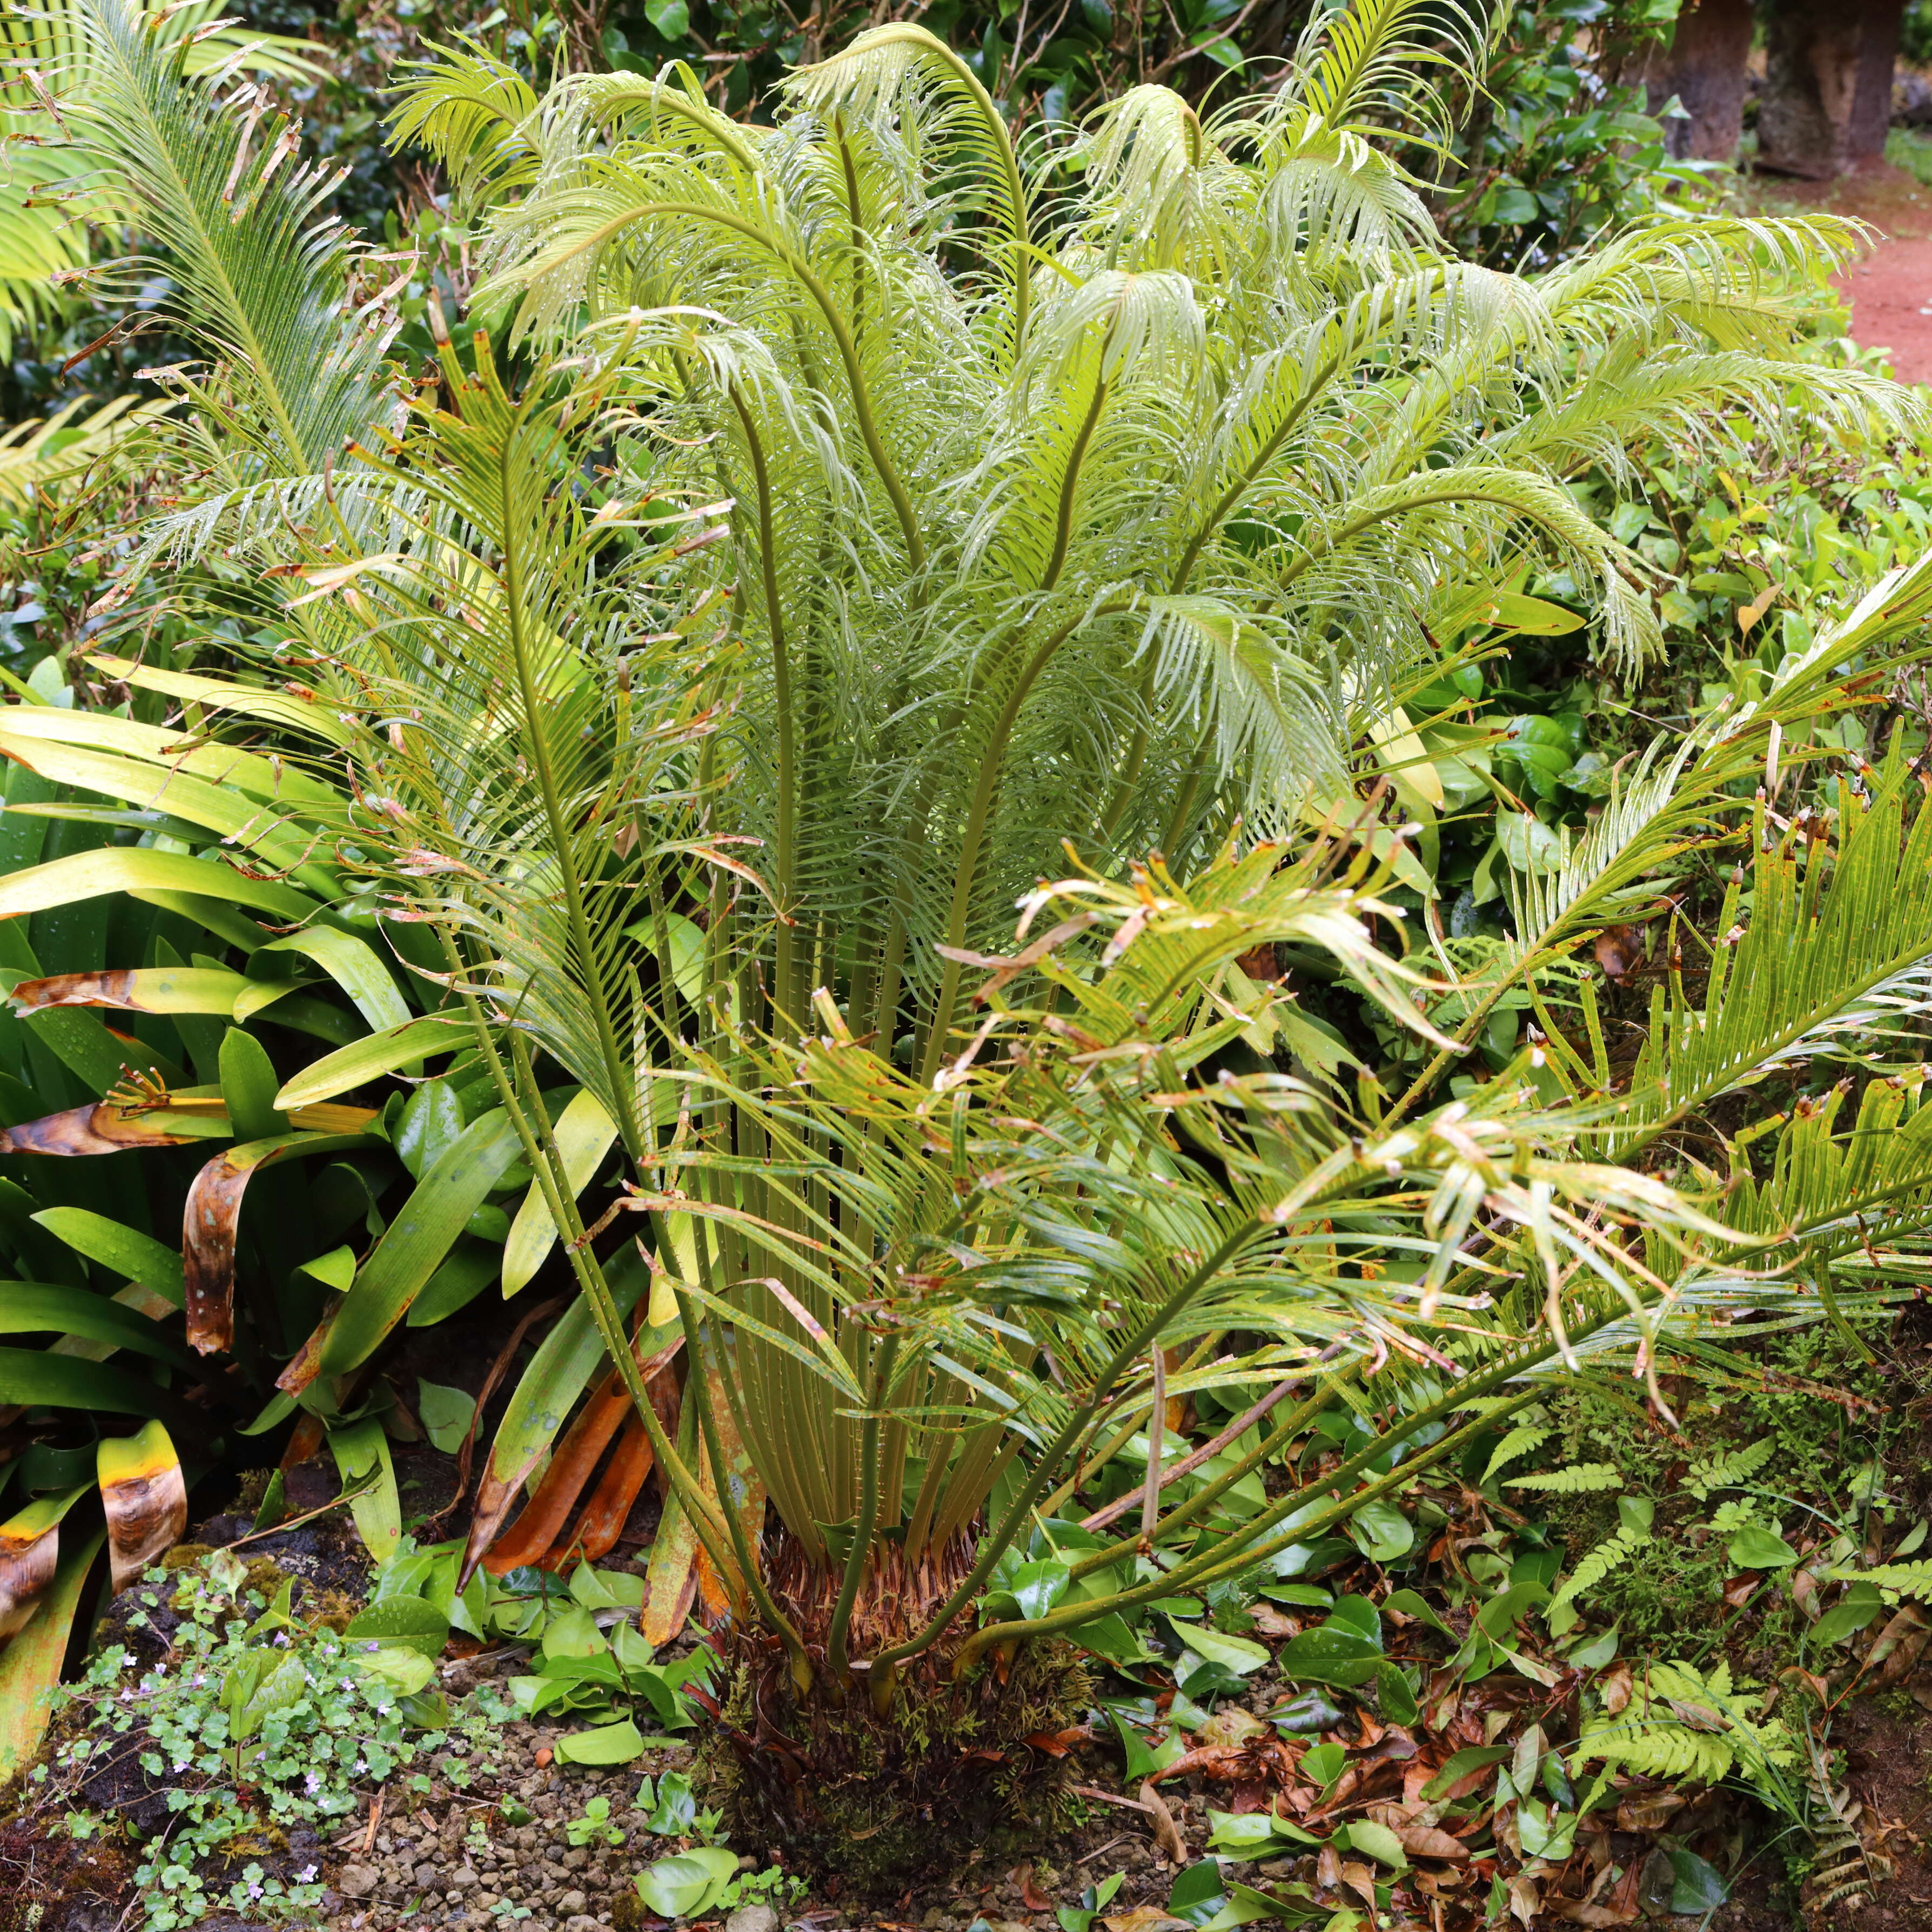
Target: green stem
column 1069, row 484
column 860, row 1555
column 536, row 737
column 1130, row 1350
column 778, row 1623
column 966, row 875
column 1229, row 1557
column 848, row 353
column 785, row 872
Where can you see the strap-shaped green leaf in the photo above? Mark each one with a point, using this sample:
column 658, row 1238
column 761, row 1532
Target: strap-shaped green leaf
column 39, row 1307
column 37, row 1380
column 124, row 868
column 123, row 1250
column 584, row 1135
column 366, row 1059
column 356, row 967
column 422, row 1233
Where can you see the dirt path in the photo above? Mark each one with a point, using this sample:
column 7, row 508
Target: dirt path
column 1890, row 291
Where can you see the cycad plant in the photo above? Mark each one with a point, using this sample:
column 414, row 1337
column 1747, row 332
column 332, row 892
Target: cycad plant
column 849, row 512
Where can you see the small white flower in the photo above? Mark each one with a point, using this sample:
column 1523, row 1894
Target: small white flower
column 306, row 1876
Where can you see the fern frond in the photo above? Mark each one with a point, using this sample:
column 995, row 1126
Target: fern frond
column 1578, row 1479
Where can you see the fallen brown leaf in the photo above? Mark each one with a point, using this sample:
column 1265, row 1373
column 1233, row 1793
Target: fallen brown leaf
column 1619, row 952
column 1166, row 1832
column 1031, row 1897
column 1614, row 1688
column 1142, row 1918
column 1648, row 1811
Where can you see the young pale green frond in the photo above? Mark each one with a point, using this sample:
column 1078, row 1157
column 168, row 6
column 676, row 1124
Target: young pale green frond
column 476, row 114
column 899, row 73
column 1370, row 62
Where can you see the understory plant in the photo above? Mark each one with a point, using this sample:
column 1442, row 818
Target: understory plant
column 825, row 529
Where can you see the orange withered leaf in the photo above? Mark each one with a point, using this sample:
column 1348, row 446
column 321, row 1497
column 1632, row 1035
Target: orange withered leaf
column 144, row 1496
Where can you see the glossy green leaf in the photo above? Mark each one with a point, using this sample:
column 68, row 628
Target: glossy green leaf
column 37, row 1380
column 610, row 1743
column 584, row 1135
column 363, row 1060
column 39, row 1308
column 121, row 868
column 446, row 1414
column 123, row 1250
column 361, row 1451
column 408, row 1621
column 356, row 967
column 1755, row 1547
column 687, row 1885
column 248, row 1084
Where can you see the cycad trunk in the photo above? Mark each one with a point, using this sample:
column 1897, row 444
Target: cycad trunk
column 878, row 1800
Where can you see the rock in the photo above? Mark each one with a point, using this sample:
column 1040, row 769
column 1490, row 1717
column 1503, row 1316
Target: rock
column 752, row 1919
column 425, row 1875
column 463, row 1879
column 582, row 1922
column 572, row 1905
column 357, row 1881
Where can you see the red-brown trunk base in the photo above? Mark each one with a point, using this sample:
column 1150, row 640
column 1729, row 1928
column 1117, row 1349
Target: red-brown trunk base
column 874, row 1802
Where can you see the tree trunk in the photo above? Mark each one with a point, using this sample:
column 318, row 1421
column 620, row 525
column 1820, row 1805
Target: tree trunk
column 1827, row 101
column 1704, row 69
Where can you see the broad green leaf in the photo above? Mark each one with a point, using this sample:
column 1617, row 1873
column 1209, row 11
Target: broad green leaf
column 363, row 1060
column 148, row 989
column 584, row 1135
column 446, row 1414
column 430, row 1121
column 39, row 1308
column 688, row 1885
column 361, row 1450
column 124, row 1250
column 356, row 967
column 1861, row 1607
column 610, row 1743
column 1378, row 1841
column 248, row 1084
column 34, row 1380
column 31, row 1660
column 1755, row 1548
column 1240, row 1654
column 410, row 1622
column 405, row 1670
column 557, row 1374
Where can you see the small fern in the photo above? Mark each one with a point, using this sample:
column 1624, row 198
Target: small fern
column 1727, row 1470
column 1632, row 1533
column 1689, row 1728
column 1894, row 1580
column 1611, row 1554
column 1578, row 1479
column 1516, row 1444
column 1841, row 1872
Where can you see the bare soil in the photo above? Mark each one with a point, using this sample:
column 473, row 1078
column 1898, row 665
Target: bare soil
column 1889, row 292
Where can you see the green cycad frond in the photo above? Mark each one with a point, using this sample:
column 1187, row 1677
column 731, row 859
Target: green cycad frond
column 261, row 273
column 1818, row 958
column 478, row 120
column 48, row 59
column 1374, row 58
column 900, row 72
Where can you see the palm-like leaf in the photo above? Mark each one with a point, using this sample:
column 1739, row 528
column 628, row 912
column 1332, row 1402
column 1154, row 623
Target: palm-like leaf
column 48, row 59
